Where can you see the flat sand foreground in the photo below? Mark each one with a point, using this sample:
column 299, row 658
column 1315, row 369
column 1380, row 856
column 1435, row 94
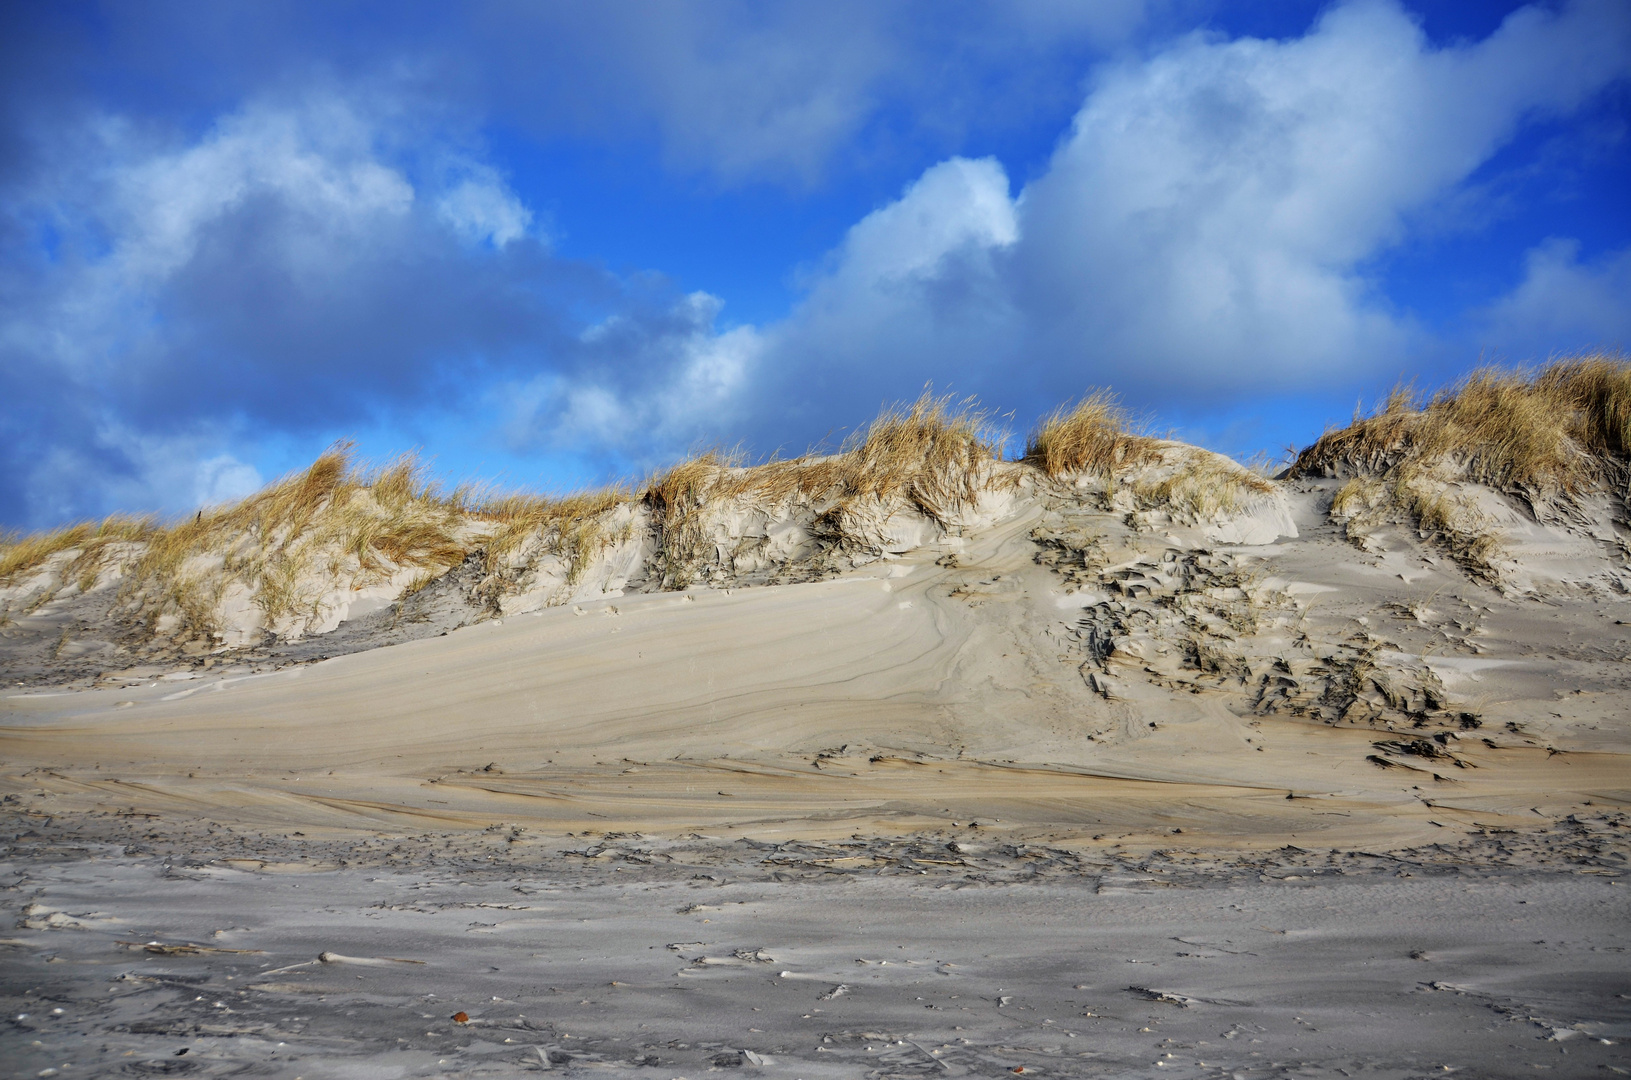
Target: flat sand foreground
column 866, row 959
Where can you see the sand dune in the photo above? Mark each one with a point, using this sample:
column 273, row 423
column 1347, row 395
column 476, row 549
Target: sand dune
column 1162, row 770
column 1389, row 693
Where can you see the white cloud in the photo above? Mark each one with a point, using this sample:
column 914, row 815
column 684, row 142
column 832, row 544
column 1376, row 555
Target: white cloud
column 484, row 210
column 1212, row 209
column 662, row 382
column 172, row 473
column 954, row 206
column 743, row 89
column 1562, row 305
column 278, row 267
column 915, row 292
column 1205, row 227
column 318, row 158
column 223, row 479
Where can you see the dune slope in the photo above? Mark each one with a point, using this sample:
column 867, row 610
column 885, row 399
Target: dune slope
column 1067, row 670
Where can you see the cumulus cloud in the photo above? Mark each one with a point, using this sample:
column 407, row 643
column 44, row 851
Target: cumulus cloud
column 745, row 90
column 1204, row 234
column 317, row 158
column 1213, row 208
column 1206, row 229
column 484, row 211
column 657, row 381
column 282, row 272
column 126, row 468
column 1562, row 305
column 915, row 292
column 734, row 90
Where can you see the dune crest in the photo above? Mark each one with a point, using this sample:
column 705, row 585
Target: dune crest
column 1521, row 476
column 1115, row 635
column 340, row 542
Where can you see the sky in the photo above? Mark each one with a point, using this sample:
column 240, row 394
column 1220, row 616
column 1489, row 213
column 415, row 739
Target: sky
column 554, row 245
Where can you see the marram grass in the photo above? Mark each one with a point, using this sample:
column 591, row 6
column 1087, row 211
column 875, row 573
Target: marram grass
column 1564, row 428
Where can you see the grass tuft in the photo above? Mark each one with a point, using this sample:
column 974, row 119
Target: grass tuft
column 1204, row 486
column 572, row 527
column 931, row 455
column 1543, row 435
column 90, row 538
column 1558, row 429
column 1091, row 436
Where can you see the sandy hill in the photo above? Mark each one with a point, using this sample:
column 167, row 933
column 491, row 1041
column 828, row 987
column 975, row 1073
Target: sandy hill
column 1418, row 631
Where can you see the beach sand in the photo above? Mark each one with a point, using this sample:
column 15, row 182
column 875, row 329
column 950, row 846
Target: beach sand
column 982, row 805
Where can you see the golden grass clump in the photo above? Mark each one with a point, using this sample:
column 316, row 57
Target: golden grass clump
column 930, row 454
column 1546, row 434
column 1557, row 429
column 1091, row 436
column 178, row 572
column 1203, row 486
column 1598, row 388
column 386, row 518
column 90, row 538
column 26, row 552
column 572, row 526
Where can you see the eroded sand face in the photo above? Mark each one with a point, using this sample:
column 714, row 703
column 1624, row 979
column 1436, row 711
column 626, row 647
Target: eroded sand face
column 964, row 754
column 912, row 695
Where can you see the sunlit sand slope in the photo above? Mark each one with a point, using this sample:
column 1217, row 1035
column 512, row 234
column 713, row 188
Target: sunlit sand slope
column 1061, row 673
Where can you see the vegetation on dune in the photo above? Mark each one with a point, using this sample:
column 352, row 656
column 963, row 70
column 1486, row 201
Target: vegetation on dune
column 338, row 518
column 1091, row 436
column 1562, row 429
column 1094, row 437
column 1202, row 485
column 20, row 553
column 931, row 455
column 334, row 516
column 1545, row 435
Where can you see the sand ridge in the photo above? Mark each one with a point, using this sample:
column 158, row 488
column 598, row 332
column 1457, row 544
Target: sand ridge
column 1060, row 671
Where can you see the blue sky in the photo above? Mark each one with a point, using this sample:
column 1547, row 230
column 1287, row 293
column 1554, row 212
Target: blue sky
column 552, row 245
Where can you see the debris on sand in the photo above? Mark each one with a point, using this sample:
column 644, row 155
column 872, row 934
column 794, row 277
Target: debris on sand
column 159, row 948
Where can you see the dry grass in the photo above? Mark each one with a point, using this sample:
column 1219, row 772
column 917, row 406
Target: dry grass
column 1557, row 429
column 573, row 527
column 28, row 552
column 1091, row 436
column 1204, row 486
column 339, row 524
column 369, row 523
column 1432, row 504
column 1544, row 434
column 931, row 455
column 335, row 523
column 384, row 518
